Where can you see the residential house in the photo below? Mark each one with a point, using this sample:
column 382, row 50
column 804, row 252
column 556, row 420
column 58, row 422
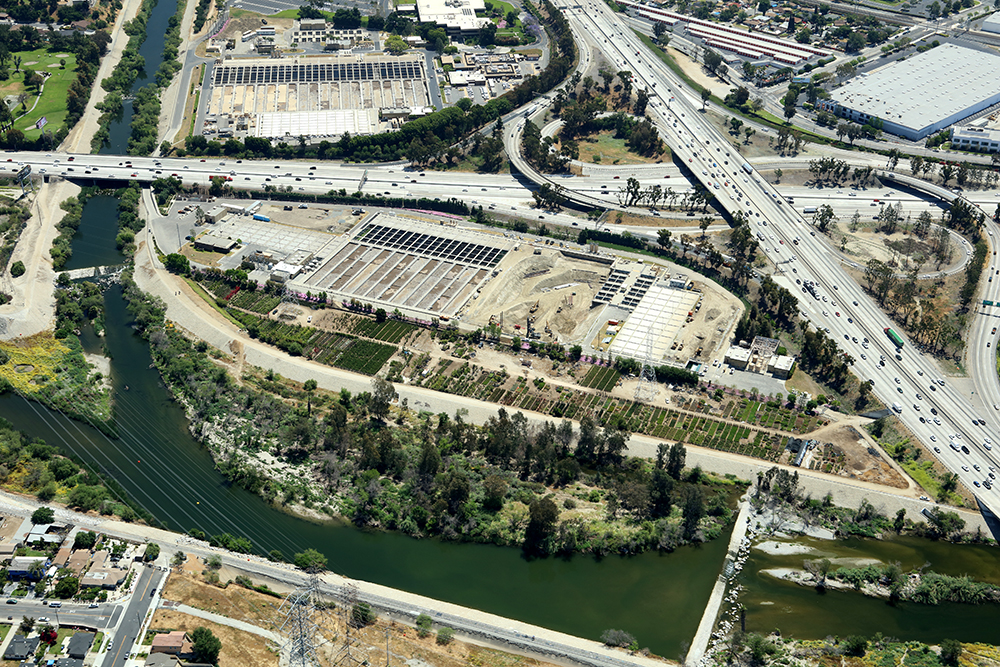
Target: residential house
column 21, row 648
column 174, row 643
column 21, row 567
column 79, row 645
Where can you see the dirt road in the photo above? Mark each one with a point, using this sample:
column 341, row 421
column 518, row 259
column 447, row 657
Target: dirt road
column 32, row 308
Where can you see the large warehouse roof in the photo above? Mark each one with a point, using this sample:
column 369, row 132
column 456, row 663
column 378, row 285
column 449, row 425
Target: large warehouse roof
column 919, row 91
column 332, row 123
column 992, row 23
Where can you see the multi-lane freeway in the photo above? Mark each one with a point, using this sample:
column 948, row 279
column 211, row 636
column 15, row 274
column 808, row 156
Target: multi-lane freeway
column 928, row 406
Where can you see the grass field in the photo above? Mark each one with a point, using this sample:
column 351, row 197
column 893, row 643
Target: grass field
column 605, row 149
column 52, row 104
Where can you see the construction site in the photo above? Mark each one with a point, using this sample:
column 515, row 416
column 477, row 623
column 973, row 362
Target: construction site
column 427, row 269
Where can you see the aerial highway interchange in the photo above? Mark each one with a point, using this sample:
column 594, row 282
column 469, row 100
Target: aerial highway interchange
column 927, row 402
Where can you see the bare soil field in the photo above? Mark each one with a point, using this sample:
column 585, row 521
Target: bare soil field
column 239, row 648
column 405, row 647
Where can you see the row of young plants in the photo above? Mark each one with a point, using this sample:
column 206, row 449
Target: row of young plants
column 671, row 424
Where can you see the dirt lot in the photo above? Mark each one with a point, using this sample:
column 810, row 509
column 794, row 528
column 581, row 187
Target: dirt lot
column 9, row 526
column 239, row 648
column 527, row 279
column 406, row 649
column 852, row 453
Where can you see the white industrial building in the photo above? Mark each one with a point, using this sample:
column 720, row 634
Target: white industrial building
column 992, row 23
column 650, row 330
column 970, row 138
column 921, row 95
column 457, row 17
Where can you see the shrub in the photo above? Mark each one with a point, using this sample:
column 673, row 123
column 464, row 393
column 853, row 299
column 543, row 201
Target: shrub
column 445, row 635
column 17, row 269
column 855, row 645
column 613, row 637
column 362, row 614
column 424, row 625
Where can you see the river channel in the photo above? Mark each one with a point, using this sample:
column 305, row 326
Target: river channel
column 803, row 612
column 152, row 52
column 659, row 598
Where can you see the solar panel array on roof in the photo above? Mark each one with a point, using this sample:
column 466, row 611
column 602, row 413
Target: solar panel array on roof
column 236, row 74
column 455, row 250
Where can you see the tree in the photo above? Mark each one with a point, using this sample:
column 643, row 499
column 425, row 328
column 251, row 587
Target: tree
column 855, row 42
column 383, row 394
column 445, row 635
column 177, row 263
column 17, row 269
column 309, row 386
column 310, row 560
column 206, row 645
column 85, row 539
column 67, row 587
column 663, row 238
column 152, row 552
column 43, row 515
column 362, row 615
column 706, row 94
column 675, row 460
column 543, row 515
column 693, row 511
column 951, row 651
column 659, row 30
column 855, row 645
column 777, row 175
column 424, row 624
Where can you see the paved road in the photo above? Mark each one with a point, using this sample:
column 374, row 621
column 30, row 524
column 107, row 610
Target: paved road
column 904, row 376
column 71, row 613
column 133, row 617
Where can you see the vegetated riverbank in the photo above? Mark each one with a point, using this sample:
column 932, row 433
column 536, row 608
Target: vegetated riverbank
column 548, row 490
column 888, row 581
column 29, row 466
column 757, row 650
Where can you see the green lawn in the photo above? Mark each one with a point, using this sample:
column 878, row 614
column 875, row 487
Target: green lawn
column 98, row 638
column 52, row 105
column 4, row 629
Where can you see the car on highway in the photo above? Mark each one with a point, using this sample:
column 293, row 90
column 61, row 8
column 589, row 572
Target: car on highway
column 966, row 468
column 937, row 421
column 916, row 407
column 933, row 438
column 937, row 450
column 976, row 483
column 976, row 467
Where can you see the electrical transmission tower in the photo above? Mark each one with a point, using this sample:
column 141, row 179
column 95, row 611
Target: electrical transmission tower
column 646, row 390
column 288, row 308
column 348, row 602
column 301, row 624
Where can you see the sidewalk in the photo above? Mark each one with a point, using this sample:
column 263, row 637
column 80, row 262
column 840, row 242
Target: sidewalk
column 231, row 622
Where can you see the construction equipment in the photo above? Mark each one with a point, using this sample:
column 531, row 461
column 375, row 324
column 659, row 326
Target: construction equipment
column 535, row 307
